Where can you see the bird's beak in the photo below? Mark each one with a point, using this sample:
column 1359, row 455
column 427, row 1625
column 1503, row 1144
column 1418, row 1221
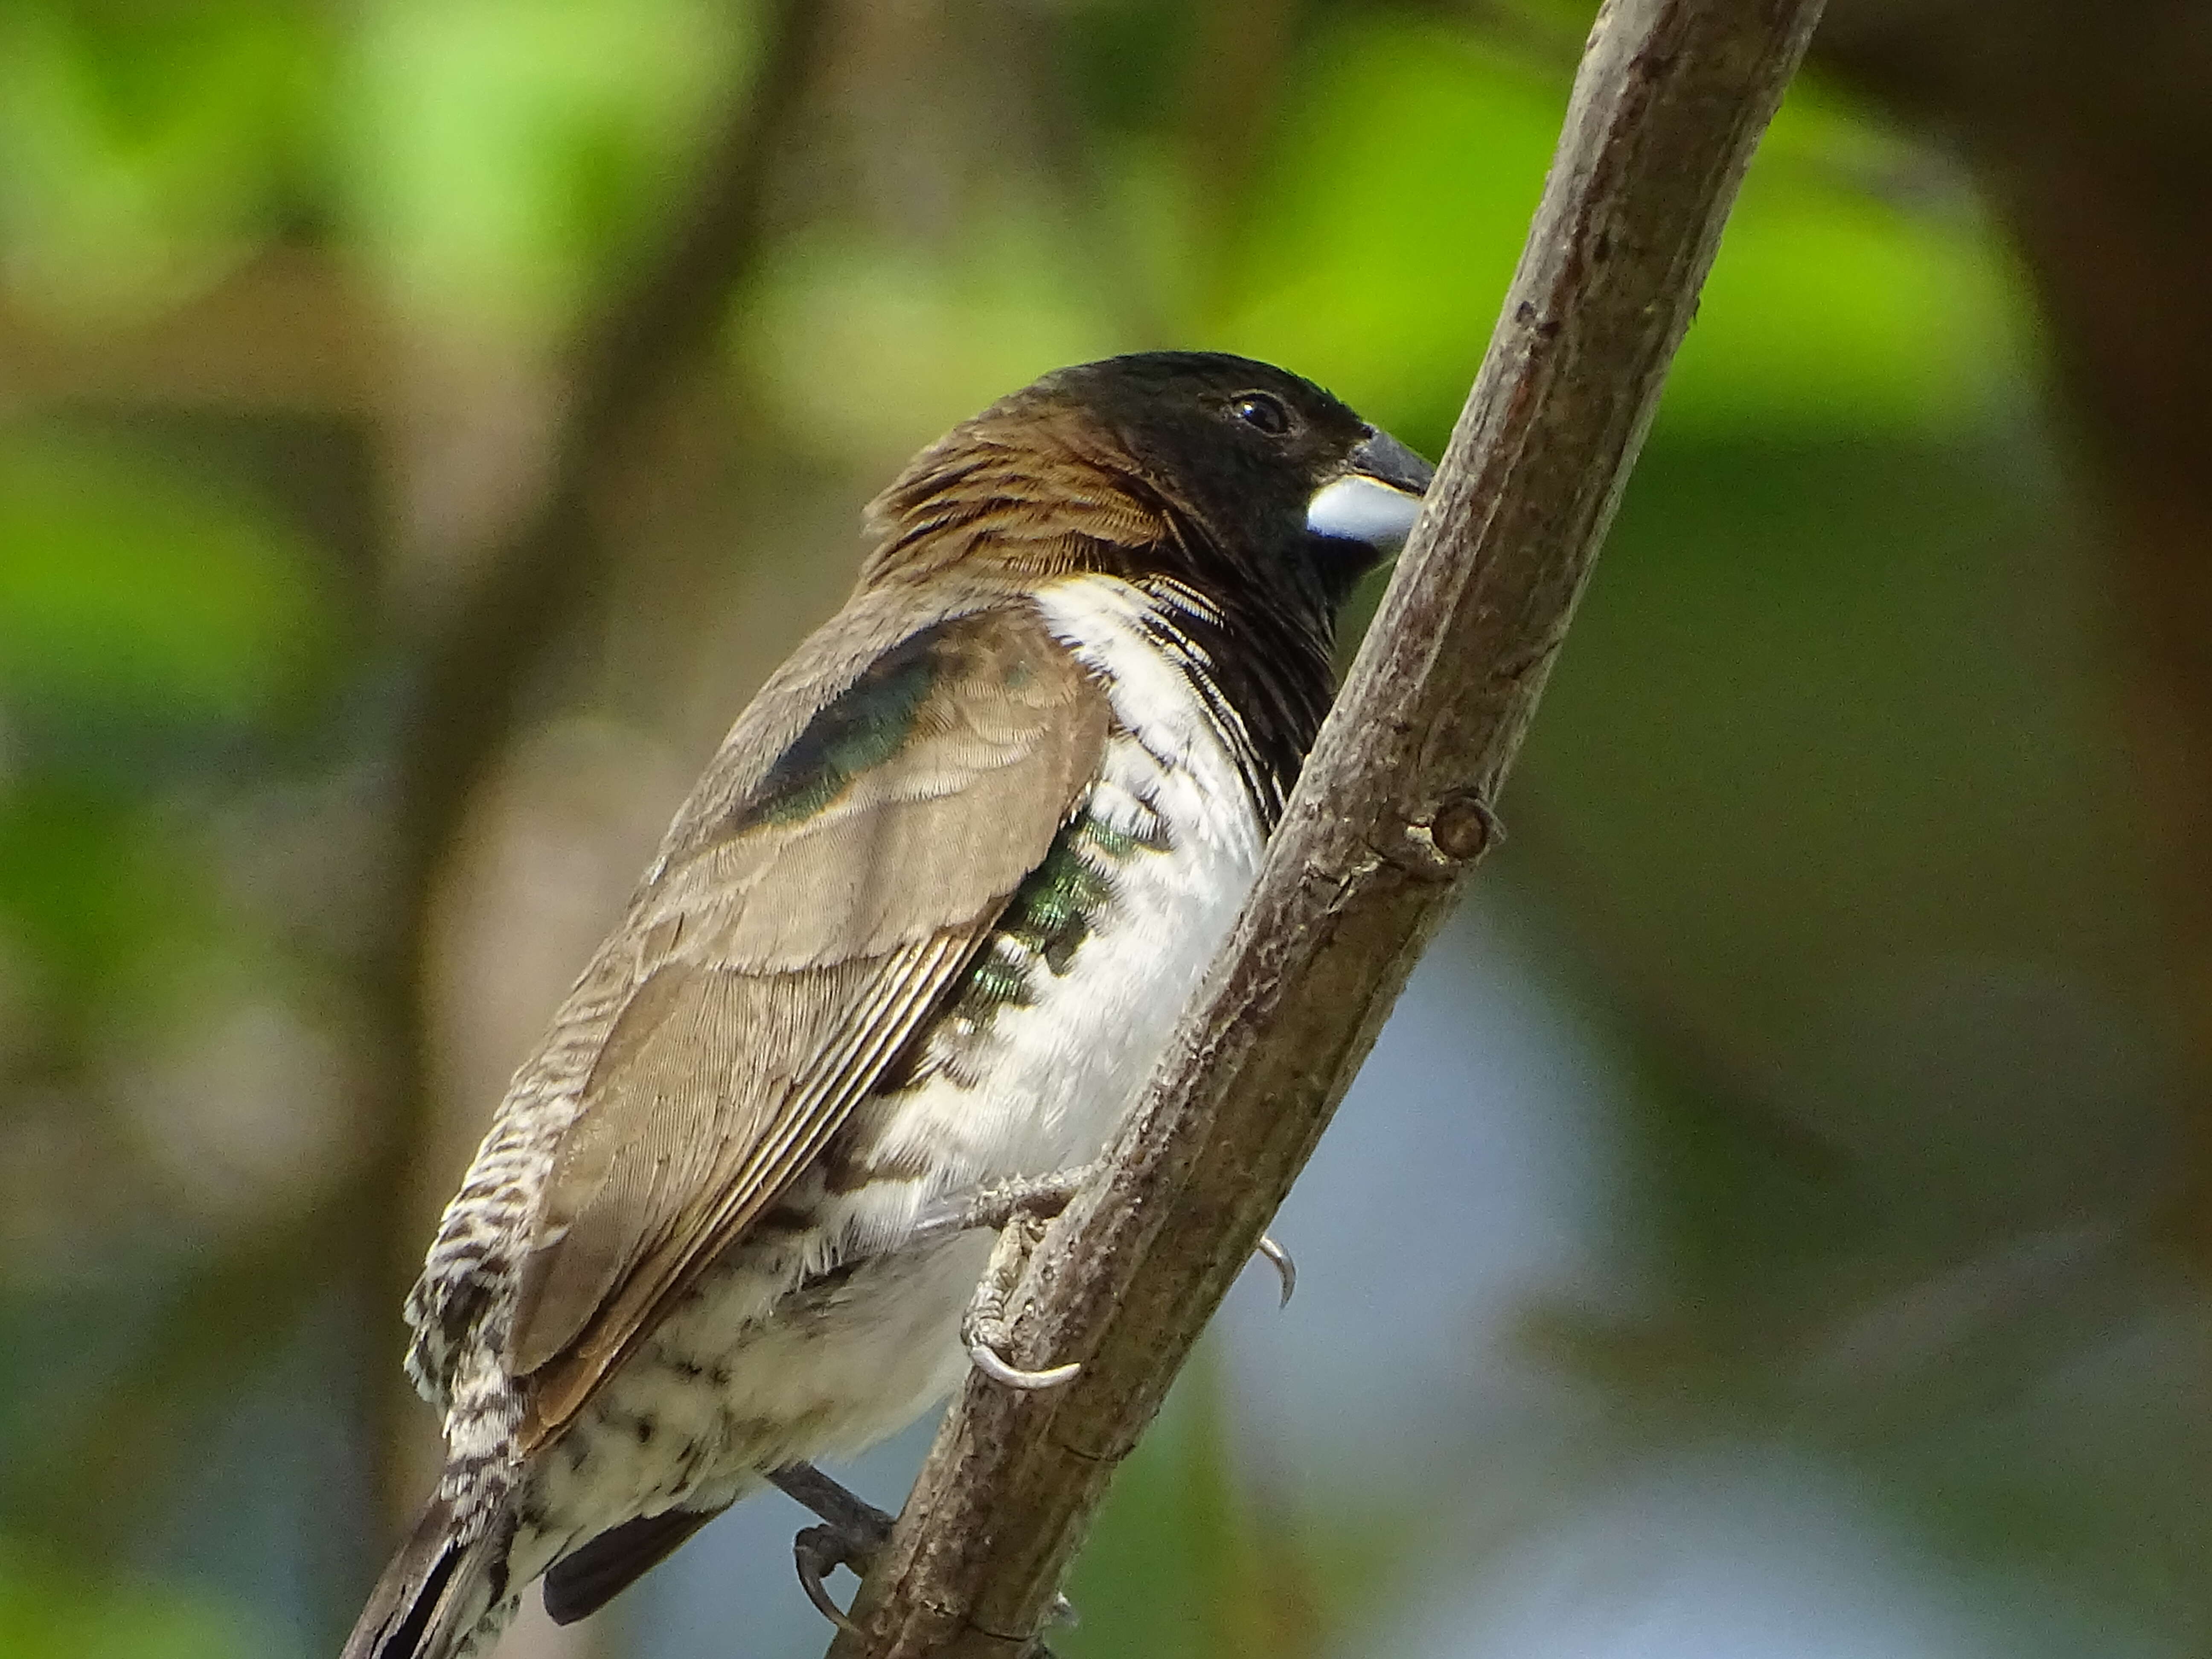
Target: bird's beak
column 1375, row 498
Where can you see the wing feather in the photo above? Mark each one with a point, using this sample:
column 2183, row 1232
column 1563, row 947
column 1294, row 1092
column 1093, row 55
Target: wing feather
column 789, row 945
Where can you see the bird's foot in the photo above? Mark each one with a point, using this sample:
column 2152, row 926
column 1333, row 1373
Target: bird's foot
column 1018, row 1210
column 817, row 1551
column 1279, row 1259
column 985, row 1330
column 1044, row 1197
column 852, row 1531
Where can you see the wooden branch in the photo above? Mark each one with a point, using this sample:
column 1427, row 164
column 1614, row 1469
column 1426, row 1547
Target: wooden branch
column 1392, row 812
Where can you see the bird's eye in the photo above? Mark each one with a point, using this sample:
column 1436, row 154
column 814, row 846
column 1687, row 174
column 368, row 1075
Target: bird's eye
column 1259, row 410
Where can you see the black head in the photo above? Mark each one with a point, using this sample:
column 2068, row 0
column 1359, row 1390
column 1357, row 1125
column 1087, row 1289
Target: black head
column 1212, row 468
column 1282, row 480
column 1243, row 501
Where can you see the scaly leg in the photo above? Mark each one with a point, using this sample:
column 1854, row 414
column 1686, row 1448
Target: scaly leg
column 1018, row 1210
column 853, row 1530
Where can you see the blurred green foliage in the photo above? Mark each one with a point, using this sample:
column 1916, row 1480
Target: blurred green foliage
column 497, row 152
column 52, row 1610
column 131, row 588
column 149, row 146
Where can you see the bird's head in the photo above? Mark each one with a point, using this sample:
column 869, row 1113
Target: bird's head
column 1207, row 468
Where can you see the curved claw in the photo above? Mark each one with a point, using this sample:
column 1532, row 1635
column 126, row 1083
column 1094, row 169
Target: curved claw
column 986, row 1360
column 1285, row 1269
column 810, row 1556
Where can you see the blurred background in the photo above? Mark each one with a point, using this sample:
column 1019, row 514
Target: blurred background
column 1774, row 1223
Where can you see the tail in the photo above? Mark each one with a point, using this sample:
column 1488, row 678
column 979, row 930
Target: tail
column 443, row 1595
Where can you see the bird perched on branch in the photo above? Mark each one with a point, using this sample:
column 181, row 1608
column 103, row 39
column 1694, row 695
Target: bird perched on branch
column 903, row 963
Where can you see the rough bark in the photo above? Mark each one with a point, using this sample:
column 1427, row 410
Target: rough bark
column 1393, row 812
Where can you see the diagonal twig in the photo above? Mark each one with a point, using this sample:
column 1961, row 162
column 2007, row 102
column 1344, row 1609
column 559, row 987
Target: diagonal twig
column 1391, row 814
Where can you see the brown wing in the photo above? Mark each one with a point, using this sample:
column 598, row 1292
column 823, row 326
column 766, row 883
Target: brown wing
column 795, row 934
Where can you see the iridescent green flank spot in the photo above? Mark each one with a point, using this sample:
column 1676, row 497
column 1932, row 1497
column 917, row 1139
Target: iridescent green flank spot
column 1052, row 911
column 862, row 728
column 1049, row 917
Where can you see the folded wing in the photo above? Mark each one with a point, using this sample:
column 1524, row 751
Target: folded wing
column 793, row 940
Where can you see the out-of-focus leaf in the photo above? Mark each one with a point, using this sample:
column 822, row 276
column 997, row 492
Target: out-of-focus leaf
column 149, row 146
column 1837, row 301
column 498, row 150
column 1820, row 689
column 132, row 590
column 1856, row 287
column 870, row 351
column 1183, row 1561
column 90, row 891
column 1372, row 192
column 1140, row 1583
column 46, row 1613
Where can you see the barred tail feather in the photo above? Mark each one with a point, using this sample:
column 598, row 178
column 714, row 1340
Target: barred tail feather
column 442, row 1597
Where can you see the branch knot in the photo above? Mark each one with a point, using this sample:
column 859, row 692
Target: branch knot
column 1446, row 837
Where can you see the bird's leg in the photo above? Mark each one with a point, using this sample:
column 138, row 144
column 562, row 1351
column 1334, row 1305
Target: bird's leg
column 1045, row 1197
column 853, row 1530
column 1018, row 1210
column 992, row 1207
column 836, row 1503
column 984, row 1329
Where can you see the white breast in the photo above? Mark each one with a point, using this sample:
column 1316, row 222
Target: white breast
column 1065, row 1070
